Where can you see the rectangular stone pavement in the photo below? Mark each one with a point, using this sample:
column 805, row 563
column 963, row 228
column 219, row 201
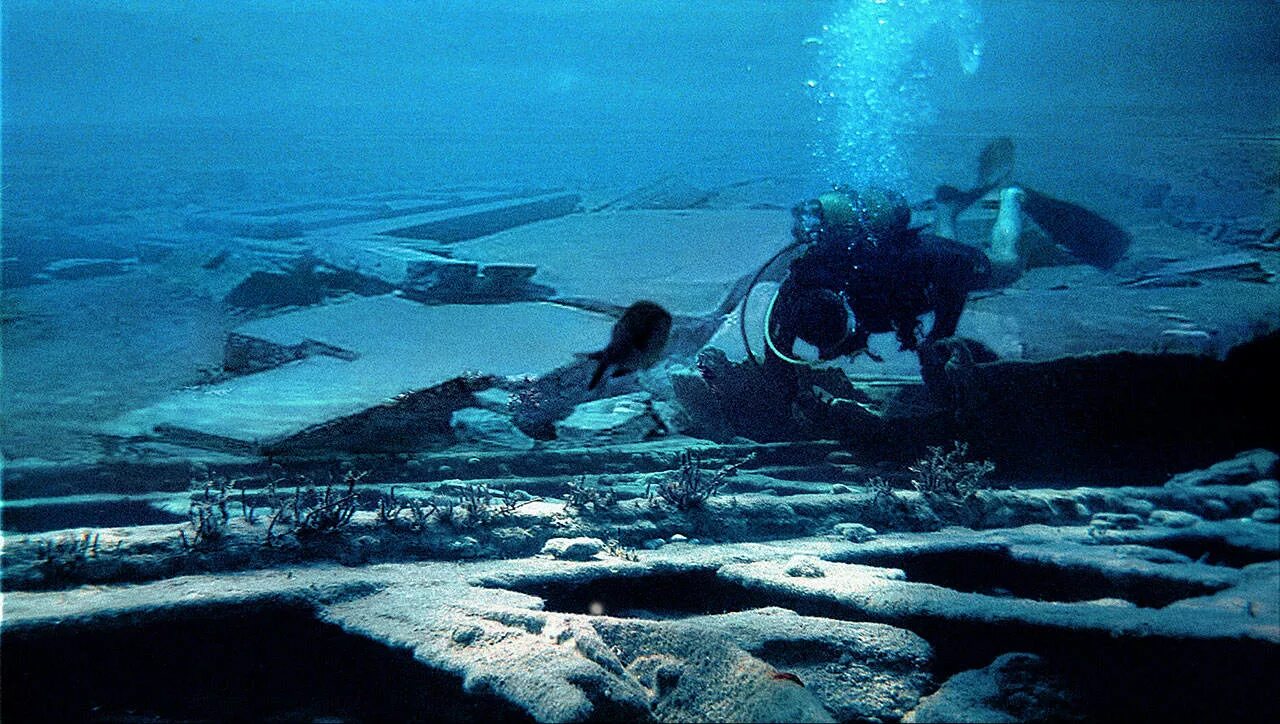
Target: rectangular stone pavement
column 400, row 350
column 688, row 261
column 297, row 219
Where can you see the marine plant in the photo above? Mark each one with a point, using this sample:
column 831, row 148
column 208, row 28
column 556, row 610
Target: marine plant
column 209, row 515
column 881, row 489
column 615, row 548
column 582, row 496
column 317, row 512
column 482, row 504
column 62, row 559
column 687, row 486
column 949, row 474
column 392, row 509
column 479, row 505
column 311, row 511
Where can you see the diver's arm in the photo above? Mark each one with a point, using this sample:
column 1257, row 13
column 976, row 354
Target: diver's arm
column 948, row 305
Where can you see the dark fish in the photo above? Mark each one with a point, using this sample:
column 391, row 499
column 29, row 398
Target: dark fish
column 636, row 343
column 995, row 166
column 787, row 676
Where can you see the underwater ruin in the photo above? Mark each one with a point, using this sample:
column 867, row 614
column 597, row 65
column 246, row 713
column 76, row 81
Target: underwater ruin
column 857, row 361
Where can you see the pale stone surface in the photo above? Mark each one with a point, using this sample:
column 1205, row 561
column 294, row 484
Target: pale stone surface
column 1247, row 467
column 804, row 567
column 1174, row 518
column 685, row 261
column 622, row 419
column 573, row 549
column 400, row 347
column 86, row 268
column 488, row 429
column 855, row 532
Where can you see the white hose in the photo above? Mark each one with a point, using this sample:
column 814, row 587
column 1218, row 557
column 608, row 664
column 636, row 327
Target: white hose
column 768, row 336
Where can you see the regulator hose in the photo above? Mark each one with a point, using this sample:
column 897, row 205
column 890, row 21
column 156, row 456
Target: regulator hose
column 742, row 314
column 768, row 336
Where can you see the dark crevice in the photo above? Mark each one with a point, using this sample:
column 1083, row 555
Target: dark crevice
column 1213, row 551
column 993, row 572
column 101, row 514
column 277, row 664
column 1127, row 678
column 663, row 596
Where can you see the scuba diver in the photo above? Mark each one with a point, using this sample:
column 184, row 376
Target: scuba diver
column 861, row 258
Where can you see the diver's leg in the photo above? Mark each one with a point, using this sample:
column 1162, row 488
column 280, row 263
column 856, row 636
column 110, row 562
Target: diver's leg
column 1007, row 262
column 948, row 305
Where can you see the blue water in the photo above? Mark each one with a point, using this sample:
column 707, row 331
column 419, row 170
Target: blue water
column 124, row 104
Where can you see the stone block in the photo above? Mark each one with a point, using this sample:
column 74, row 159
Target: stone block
column 573, row 549
column 1247, row 467
column 623, row 419
column 489, row 429
column 86, row 268
column 405, row 368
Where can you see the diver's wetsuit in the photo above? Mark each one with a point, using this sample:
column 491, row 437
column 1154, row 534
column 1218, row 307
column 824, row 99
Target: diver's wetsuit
column 887, row 288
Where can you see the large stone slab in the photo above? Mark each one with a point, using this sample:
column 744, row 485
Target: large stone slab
column 448, row 227
column 396, row 387
column 688, row 261
column 292, row 220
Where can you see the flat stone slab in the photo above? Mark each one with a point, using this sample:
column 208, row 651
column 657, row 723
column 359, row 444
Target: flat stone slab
column 396, row 347
column 687, row 261
column 623, row 419
column 435, row 228
column 293, row 220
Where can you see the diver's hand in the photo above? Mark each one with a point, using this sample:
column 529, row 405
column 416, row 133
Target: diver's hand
column 867, row 351
column 852, row 346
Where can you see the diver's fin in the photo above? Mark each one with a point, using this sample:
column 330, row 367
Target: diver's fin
column 1089, row 236
column 995, row 167
column 601, row 366
column 951, row 202
column 995, row 163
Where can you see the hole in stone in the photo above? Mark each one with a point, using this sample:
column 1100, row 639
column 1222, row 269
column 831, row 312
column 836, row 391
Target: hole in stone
column 1197, row 678
column 102, row 514
column 228, row 665
column 1214, row 551
column 662, row 596
column 994, row 573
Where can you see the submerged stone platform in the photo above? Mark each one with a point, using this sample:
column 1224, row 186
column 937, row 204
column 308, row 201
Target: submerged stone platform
column 1112, row 595
column 443, row 210
column 380, row 379
column 687, row 261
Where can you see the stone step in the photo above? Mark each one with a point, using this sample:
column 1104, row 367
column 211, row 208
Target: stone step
column 472, row 222
column 40, row 485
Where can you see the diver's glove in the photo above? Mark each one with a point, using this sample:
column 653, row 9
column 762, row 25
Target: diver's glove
column 851, row 346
